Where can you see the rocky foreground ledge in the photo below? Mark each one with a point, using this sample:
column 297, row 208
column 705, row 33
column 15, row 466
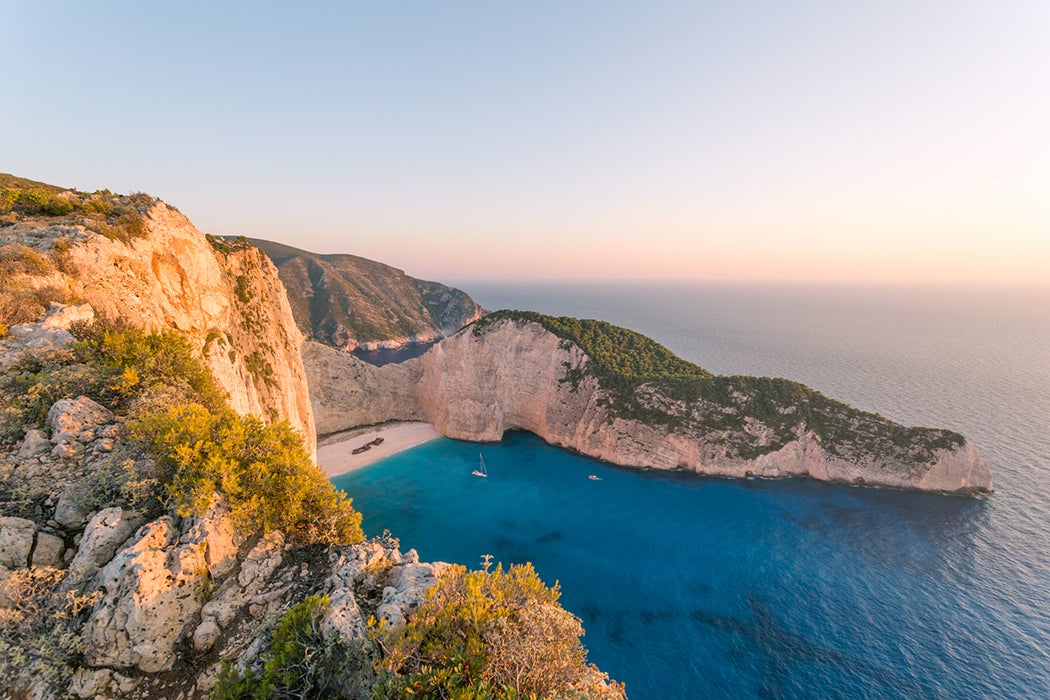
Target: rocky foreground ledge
column 523, row 371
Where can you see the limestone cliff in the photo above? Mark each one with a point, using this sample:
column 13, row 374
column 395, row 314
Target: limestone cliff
column 109, row 588
column 227, row 299
column 352, row 303
column 510, row 373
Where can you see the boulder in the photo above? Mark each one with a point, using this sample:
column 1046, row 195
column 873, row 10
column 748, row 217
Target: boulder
column 237, row 592
column 408, row 588
column 49, row 550
column 34, row 443
column 70, row 418
column 216, row 529
column 206, row 634
column 16, row 542
column 50, row 332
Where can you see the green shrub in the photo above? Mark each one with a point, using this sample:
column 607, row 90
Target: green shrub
column 118, row 481
column 300, row 661
column 132, row 362
column 263, row 472
column 175, row 410
column 614, row 351
column 119, row 366
column 125, row 226
column 482, row 634
column 16, row 258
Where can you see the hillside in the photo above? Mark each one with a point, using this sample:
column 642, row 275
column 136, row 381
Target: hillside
column 13, row 182
column 350, row 302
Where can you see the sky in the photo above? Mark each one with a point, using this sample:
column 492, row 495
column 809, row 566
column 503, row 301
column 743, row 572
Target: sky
column 889, row 141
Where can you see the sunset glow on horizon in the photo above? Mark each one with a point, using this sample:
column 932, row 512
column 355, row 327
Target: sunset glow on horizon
column 868, row 142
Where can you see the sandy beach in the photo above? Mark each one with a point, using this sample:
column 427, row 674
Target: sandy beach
column 335, row 452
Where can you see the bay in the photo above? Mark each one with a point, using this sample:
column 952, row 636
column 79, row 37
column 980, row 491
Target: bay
column 691, row 586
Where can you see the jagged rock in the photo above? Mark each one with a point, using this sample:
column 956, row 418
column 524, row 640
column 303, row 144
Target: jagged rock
column 344, row 616
column 34, row 443
column 215, row 528
column 408, row 588
column 49, row 550
column 102, row 684
column 70, row 418
column 152, row 592
column 261, row 561
column 206, row 634
column 63, row 316
column 256, row 569
column 108, row 530
column 16, row 542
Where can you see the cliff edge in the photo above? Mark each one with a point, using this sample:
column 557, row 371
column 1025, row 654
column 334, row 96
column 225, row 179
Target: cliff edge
column 150, row 267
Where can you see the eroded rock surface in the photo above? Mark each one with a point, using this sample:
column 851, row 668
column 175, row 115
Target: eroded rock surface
column 514, row 375
column 228, row 300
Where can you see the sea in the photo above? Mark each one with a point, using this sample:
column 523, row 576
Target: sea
column 695, row 587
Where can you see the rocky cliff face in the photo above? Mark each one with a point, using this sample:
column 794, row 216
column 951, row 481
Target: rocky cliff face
column 111, row 602
column 352, row 303
column 516, row 375
column 227, row 299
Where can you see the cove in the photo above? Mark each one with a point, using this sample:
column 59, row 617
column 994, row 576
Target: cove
column 691, row 586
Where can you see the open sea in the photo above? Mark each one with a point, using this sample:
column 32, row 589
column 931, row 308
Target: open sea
column 695, row 587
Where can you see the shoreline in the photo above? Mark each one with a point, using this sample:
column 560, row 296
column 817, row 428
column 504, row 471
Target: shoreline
column 335, row 452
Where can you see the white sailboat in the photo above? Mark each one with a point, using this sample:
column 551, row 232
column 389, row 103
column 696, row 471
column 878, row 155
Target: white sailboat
column 481, row 470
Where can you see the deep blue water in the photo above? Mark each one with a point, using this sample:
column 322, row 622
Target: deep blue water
column 692, row 586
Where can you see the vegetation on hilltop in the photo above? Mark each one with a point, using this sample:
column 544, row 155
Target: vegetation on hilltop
column 615, row 352
column 642, row 380
column 200, row 447
column 120, row 217
column 25, row 292
column 13, row 182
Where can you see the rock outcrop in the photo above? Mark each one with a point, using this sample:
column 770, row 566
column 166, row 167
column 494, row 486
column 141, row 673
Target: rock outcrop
column 352, row 303
column 226, row 298
column 517, row 375
column 167, row 589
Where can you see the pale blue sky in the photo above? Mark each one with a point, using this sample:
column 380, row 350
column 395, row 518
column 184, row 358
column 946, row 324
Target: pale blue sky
column 873, row 141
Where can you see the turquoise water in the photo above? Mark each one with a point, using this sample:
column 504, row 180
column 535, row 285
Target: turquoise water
column 691, row 586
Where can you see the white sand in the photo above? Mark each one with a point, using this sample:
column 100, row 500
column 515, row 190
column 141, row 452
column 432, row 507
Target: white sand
column 335, row 452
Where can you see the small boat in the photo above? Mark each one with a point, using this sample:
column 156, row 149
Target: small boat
column 481, row 470
column 594, row 477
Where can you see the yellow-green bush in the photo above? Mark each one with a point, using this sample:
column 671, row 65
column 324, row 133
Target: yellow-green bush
column 176, row 411
column 481, row 634
column 262, row 471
